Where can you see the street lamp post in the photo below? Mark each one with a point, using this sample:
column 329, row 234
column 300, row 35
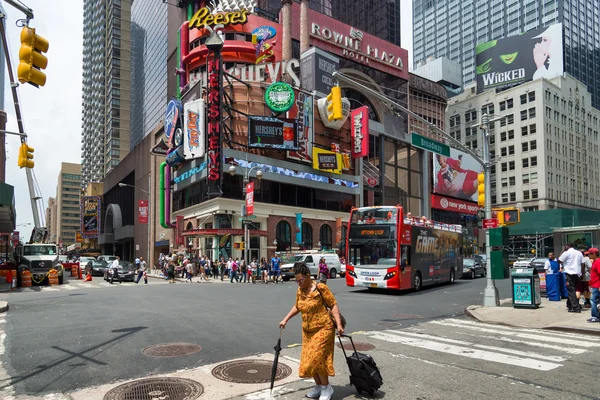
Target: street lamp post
column 121, row 184
column 246, row 174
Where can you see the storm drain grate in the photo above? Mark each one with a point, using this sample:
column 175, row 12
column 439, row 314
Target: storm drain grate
column 250, row 371
column 157, row 388
column 168, row 350
column 360, row 346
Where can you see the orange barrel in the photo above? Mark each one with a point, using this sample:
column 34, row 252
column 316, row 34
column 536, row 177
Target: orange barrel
column 53, row 277
column 74, row 269
column 25, row 278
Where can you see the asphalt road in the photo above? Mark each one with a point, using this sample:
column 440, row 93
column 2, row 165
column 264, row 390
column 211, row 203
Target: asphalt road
column 65, row 339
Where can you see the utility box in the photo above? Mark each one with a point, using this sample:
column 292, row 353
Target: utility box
column 526, row 288
column 499, row 264
column 499, row 237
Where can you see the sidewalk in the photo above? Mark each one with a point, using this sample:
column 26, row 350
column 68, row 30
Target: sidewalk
column 550, row 315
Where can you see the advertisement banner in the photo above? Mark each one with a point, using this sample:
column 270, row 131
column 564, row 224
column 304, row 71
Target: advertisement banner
column 180, row 240
column 338, row 231
column 453, row 205
column 272, row 133
column 250, row 198
column 143, row 211
column 193, row 136
column 305, row 119
column 317, row 68
column 214, row 64
column 359, row 120
column 299, row 228
column 511, row 61
column 90, row 217
column 327, row 161
column 456, row 176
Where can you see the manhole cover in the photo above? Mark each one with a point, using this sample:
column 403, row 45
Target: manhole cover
column 360, row 346
column 167, row 350
column 157, row 388
column 250, row 371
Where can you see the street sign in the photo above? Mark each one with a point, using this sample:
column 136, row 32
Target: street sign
column 489, row 223
column 430, row 145
column 247, row 217
column 249, row 198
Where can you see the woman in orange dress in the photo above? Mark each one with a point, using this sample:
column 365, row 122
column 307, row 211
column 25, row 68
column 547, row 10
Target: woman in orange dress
column 318, row 331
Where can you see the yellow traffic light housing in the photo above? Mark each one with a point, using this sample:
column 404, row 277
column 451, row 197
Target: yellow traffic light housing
column 481, row 190
column 25, row 156
column 32, row 61
column 509, row 216
column 334, row 104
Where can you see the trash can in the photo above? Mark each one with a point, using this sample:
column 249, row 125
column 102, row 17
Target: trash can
column 526, row 288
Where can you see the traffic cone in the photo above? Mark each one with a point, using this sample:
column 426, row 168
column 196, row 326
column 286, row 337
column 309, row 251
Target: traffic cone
column 88, row 278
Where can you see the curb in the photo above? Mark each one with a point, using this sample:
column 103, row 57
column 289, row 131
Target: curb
column 568, row 329
column 3, row 306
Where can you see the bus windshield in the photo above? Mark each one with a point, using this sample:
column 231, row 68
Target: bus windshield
column 379, row 215
column 373, row 253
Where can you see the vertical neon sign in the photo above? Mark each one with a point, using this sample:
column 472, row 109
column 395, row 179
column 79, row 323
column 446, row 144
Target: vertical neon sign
column 214, row 117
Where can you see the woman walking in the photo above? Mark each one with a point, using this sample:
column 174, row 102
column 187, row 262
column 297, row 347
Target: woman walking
column 318, row 331
column 264, row 267
column 323, row 271
column 171, row 271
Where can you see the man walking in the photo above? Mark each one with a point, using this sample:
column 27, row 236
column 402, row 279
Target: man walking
column 114, row 270
column 594, row 283
column 571, row 261
column 275, row 267
column 234, row 269
column 141, row 268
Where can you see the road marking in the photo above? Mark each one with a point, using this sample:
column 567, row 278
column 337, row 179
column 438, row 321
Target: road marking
column 467, row 352
column 294, row 345
column 291, row 359
column 550, row 337
column 69, row 287
column 49, row 289
column 511, row 329
column 534, row 344
column 480, row 346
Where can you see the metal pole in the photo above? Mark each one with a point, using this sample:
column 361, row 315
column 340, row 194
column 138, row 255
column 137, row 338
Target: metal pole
column 148, row 260
column 246, row 241
column 490, row 294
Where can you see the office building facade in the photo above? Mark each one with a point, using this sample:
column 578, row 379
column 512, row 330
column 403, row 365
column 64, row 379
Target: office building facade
column 51, row 220
column 66, row 222
column 545, row 151
column 148, row 66
column 452, row 29
column 106, row 87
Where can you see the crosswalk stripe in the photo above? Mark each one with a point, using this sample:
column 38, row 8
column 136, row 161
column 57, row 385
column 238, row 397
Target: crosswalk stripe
column 480, row 346
column 547, row 338
column 529, row 363
column 543, row 345
column 525, row 330
column 69, row 287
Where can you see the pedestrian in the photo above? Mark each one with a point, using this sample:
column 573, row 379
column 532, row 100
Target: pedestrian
column 234, row 269
column 594, row 254
column 215, row 269
column 551, row 265
column 207, row 267
column 323, row 271
column 141, row 267
column 275, row 267
column 114, row 270
column 243, row 271
column 202, row 271
column 223, row 267
column 171, row 270
column 265, row 270
column 318, row 331
column 571, row 261
column 253, row 270
column 189, row 271
column 145, row 277
column 228, row 267
column 583, row 288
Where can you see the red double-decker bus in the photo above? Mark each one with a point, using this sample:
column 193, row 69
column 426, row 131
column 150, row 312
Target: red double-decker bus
column 389, row 250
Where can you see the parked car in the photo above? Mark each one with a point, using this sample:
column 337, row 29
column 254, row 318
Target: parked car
column 472, row 268
column 106, row 257
column 523, row 262
column 312, row 262
column 83, row 261
column 126, row 272
column 481, row 259
column 96, row 267
column 63, row 259
column 538, row 264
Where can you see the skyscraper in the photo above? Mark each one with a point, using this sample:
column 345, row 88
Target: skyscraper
column 106, row 85
column 452, row 28
column 148, row 66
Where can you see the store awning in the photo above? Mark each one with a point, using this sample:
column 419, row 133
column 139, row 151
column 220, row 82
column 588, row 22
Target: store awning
column 223, row 232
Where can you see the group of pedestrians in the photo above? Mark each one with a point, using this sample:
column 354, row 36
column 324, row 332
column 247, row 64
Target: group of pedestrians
column 582, row 273
column 242, row 272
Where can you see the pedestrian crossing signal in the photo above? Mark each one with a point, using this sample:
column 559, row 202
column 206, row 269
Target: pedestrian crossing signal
column 510, row 216
column 239, row 246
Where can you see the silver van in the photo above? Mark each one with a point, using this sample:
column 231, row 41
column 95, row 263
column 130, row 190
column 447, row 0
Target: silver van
column 312, row 261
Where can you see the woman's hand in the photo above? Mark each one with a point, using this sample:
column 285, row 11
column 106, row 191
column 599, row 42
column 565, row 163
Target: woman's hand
column 282, row 324
column 340, row 330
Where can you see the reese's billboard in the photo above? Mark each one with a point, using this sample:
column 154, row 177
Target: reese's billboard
column 511, row 61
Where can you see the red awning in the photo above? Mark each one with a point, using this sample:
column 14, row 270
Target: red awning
column 222, row 232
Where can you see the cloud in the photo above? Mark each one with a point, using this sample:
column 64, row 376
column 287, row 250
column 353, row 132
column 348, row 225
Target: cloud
column 51, row 114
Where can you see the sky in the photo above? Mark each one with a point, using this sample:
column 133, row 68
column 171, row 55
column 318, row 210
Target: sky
column 52, row 113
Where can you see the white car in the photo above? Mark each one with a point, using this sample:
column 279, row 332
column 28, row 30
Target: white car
column 523, row 263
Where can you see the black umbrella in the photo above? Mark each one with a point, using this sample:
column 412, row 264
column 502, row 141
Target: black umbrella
column 276, row 360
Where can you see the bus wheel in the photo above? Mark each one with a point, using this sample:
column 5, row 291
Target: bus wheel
column 418, row 283
column 452, row 276
column 332, row 273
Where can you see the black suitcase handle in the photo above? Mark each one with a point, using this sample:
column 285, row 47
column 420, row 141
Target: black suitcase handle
column 353, row 346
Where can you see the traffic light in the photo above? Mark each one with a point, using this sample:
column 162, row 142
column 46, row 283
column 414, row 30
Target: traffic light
column 25, row 156
column 32, row 61
column 509, row 216
column 481, row 190
column 334, row 104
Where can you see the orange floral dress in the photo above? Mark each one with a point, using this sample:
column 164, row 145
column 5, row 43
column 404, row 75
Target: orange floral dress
column 318, row 333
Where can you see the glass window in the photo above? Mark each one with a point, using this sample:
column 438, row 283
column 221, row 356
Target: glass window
column 283, row 235
column 325, row 237
column 307, row 236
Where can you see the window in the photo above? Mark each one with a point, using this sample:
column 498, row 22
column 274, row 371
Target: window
column 523, row 115
column 505, row 197
column 525, row 179
column 511, row 150
column 523, row 98
column 510, row 119
column 525, row 194
column 534, row 194
column 513, row 196
column 509, row 103
column 325, row 237
column 504, row 167
column 511, row 166
column 511, row 181
column 525, row 162
column 525, row 146
column 307, row 236
column 534, row 177
column 532, row 112
column 283, row 235
column 524, row 131
column 502, row 136
column 504, row 182
column 531, row 96
column 511, row 134
column 533, row 161
column 532, row 129
column 533, row 145
column 503, row 152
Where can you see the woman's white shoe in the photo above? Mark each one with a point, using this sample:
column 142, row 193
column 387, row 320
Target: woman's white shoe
column 315, row 392
column 326, row 393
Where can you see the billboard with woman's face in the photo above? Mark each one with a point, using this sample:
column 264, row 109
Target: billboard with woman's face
column 456, row 176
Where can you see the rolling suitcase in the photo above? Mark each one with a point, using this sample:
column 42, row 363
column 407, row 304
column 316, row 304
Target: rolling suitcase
column 364, row 374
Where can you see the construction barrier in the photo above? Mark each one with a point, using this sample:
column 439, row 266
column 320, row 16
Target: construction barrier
column 53, row 277
column 25, row 278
